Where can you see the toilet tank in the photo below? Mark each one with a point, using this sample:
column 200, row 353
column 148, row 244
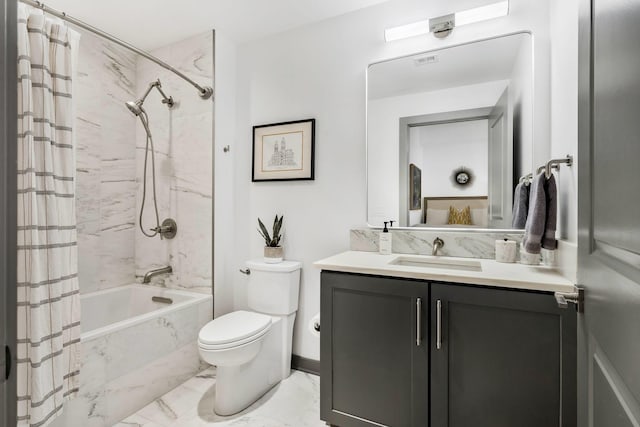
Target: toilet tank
column 274, row 288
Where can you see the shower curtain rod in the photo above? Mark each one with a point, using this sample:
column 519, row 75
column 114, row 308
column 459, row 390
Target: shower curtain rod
column 205, row 92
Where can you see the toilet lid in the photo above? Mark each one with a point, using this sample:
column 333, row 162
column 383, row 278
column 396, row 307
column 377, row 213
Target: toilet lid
column 233, row 327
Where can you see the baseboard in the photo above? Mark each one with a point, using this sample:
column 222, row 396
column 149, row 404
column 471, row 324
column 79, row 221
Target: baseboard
column 305, row 365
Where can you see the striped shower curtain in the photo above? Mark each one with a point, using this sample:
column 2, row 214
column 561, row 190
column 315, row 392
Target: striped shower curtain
column 48, row 294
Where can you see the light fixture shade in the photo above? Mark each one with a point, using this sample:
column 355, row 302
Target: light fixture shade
column 405, row 31
column 482, row 13
column 470, row 16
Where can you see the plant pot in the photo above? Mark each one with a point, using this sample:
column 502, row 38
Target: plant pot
column 273, row 254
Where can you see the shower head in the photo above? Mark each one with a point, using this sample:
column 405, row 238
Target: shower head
column 136, row 106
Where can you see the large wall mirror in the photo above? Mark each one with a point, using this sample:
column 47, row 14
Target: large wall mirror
column 449, row 134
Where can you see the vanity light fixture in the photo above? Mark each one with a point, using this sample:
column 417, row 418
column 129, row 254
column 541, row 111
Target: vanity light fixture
column 442, row 26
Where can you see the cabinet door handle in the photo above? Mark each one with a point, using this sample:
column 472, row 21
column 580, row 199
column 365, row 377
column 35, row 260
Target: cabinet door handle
column 418, row 321
column 438, row 324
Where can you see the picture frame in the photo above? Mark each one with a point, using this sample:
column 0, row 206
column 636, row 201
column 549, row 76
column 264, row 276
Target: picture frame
column 284, row 151
column 415, row 187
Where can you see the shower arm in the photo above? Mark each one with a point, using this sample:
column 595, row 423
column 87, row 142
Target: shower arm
column 165, row 99
column 205, row 92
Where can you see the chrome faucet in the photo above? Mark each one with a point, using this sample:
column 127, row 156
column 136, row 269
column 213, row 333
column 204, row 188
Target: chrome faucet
column 437, row 244
column 157, row 271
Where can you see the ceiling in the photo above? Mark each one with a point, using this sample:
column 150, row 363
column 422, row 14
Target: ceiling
column 152, row 23
column 490, row 60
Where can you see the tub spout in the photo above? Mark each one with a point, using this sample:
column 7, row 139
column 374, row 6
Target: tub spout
column 157, row 271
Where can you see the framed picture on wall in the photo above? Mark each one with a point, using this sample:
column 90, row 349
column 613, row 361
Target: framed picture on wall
column 284, row 151
column 415, row 187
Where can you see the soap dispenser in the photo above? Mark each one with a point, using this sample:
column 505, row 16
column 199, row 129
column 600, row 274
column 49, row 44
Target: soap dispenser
column 385, row 240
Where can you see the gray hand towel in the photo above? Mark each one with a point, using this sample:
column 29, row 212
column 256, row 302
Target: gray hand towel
column 520, row 206
column 536, row 217
column 551, row 192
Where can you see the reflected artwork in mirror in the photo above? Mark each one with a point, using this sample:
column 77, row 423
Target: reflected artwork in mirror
column 463, row 117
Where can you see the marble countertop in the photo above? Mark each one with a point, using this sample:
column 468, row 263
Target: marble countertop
column 493, row 273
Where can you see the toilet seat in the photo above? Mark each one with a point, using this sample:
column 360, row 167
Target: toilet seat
column 233, row 330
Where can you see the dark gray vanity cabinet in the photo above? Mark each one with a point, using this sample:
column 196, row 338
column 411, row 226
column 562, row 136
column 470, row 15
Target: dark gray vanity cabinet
column 404, row 353
column 501, row 358
column 374, row 351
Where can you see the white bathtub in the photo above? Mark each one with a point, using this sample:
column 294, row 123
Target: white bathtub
column 134, row 350
column 110, row 310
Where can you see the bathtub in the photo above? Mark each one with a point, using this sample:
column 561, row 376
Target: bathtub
column 110, row 310
column 138, row 342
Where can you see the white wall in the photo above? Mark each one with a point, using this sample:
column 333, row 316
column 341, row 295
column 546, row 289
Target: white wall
column 447, row 147
column 438, row 150
column 319, row 71
column 521, row 103
column 564, row 111
column 225, row 135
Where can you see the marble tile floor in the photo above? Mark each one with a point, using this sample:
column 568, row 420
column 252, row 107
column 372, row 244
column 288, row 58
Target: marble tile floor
column 295, row 402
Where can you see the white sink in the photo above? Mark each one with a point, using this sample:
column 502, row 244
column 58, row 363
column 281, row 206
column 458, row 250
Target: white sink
column 446, row 264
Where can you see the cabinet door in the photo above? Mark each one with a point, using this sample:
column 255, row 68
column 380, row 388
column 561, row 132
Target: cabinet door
column 374, row 369
column 501, row 358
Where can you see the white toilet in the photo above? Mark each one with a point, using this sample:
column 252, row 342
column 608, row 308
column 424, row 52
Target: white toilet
column 252, row 349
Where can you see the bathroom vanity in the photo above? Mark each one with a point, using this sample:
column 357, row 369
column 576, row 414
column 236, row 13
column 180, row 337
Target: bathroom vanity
column 419, row 340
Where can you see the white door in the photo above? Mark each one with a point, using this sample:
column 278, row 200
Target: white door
column 500, row 167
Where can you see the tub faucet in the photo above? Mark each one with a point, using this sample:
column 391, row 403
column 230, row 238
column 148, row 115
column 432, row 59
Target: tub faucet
column 437, row 244
column 157, row 271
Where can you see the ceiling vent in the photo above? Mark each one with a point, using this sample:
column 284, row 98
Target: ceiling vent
column 425, row 60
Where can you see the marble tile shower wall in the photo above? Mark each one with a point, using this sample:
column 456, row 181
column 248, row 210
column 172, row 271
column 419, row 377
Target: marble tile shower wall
column 183, row 139
column 106, row 167
column 110, row 158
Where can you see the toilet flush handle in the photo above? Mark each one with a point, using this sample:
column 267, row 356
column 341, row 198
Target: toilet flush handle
column 245, row 271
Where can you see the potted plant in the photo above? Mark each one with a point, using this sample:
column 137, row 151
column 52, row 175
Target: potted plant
column 273, row 252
